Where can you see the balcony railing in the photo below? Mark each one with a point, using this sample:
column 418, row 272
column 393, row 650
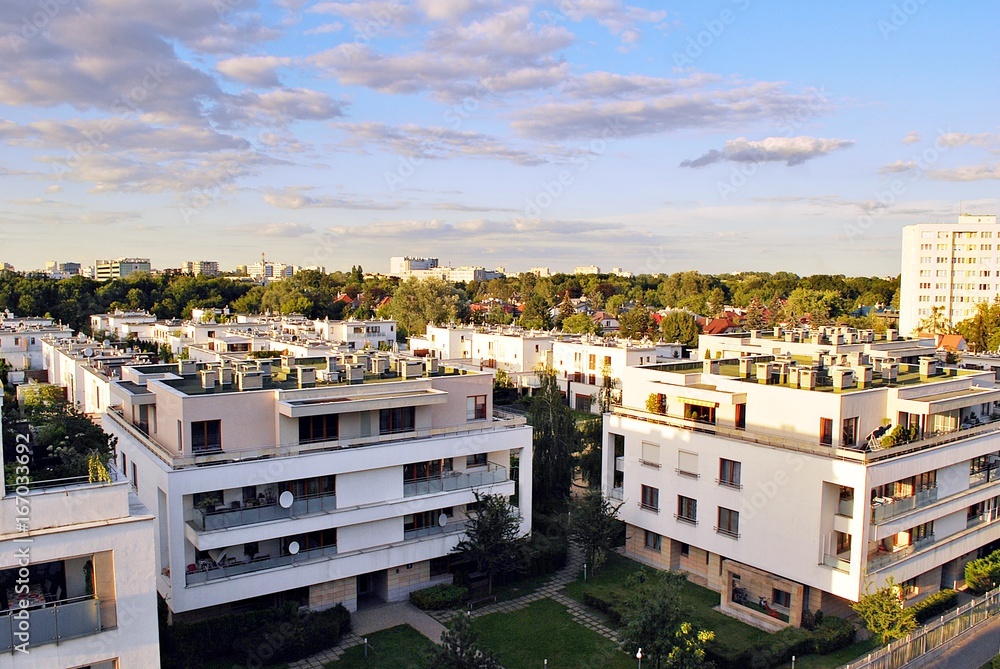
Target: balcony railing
column 52, row 623
column 431, row 530
column 618, row 493
column 452, row 481
column 685, row 519
column 884, row 508
column 838, row 563
column 249, row 515
column 500, row 421
column 214, row 572
column 880, row 559
column 620, row 463
column 983, row 477
column 846, row 507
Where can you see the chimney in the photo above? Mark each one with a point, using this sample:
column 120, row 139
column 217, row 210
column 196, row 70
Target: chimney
column 778, row 332
column 890, row 335
column 754, row 334
column 864, row 375
column 843, row 378
column 185, row 367
column 710, row 367
column 355, row 374
column 209, row 378
column 225, row 375
column 764, row 372
column 889, row 371
column 807, row 379
column 793, row 376
column 305, row 376
column 746, row 367
column 928, row 366
column 431, row 365
column 264, row 365
column 249, row 380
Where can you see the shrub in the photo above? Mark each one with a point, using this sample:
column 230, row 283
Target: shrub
column 981, row 574
column 832, row 634
column 439, row 597
column 546, row 554
column 605, row 605
column 935, row 605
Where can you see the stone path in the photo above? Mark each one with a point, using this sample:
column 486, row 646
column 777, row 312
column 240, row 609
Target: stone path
column 371, row 620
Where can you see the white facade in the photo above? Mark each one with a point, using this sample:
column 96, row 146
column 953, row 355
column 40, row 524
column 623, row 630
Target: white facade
column 85, row 368
column 952, row 266
column 196, row 267
column 83, row 556
column 378, row 474
column 21, row 340
column 761, row 471
column 108, row 270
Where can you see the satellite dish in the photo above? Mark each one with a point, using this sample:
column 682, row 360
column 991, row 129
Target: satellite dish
column 107, row 343
column 293, row 547
column 88, row 353
column 285, row 499
column 442, row 520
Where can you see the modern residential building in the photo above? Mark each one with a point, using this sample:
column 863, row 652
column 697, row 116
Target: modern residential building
column 77, row 580
column 802, row 466
column 265, row 270
column 196, row 267
column 318, row 481
column 21, row 340
column 86, row 368
column 950, row 266
column 108, row 270
column 428, row 268
column 587, row 269
column 403, row 265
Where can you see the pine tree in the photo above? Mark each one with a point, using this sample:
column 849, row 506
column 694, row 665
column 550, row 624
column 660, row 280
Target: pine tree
column 755, row 316
column 566, row 310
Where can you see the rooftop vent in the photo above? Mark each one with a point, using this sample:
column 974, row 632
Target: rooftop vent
column 209, row 377
column 864, row 376
column 807, row 379
column 710, row 366
column 889, row 370
column 746, row 367
column 843, row 378
column 185, row 367
column 305, row 377
column 249, row 380
column 763, row 372
column 928, row 366
column 891, row 335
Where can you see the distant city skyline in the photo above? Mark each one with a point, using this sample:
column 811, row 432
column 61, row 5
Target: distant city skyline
column 720, row 137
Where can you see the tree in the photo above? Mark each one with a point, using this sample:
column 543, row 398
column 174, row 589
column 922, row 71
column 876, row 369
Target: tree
column 536, row 314
column 636, row 323
column 459, row 650
column 555, row 439
column 419, row 302
column 654, row 619
column 884, row 613
column 492, row 538
column 775, row 310
column 588, row 458
column 580, row 324
column 607, row 396
column 566, row 310
column 680, row 326
column 756, row 319
column 498, row 316
column 614, row 304
column 935, row 323
column 595, row 526
column 982, row 331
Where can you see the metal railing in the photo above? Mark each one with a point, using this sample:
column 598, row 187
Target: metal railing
column 215, row 572
column 455, row 481
column 879, row 560
column 934, row 634
column 898, row 506
column 431, row 530
column 52, row 623
column 248, row 515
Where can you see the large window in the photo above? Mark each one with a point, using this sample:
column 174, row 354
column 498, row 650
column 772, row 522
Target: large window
column 206, row 436
column 432, row 469
column 729, row 522
column 391, row 421
column 475, row 408
column 653, row 541
column 826, row 431
column 316, row 486
column 318, row 428
column 687, row 509
column 477, row 460
column 650, row 498
column 730, row 473
column 850, row 433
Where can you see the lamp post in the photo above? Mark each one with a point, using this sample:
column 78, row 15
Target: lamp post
column 638, row 656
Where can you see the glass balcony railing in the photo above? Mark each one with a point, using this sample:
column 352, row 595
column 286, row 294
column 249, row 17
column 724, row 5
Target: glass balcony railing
column 211, row 572
column 984, row 476
column 846, row 507
column 884, row 508
column 882, row 558
column 51, row 623
column 431, row 530
column 838, row 563
column 248, row 515
column 618, row 493
column 451, row 481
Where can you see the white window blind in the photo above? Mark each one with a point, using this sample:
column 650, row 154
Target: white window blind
column 687, row 462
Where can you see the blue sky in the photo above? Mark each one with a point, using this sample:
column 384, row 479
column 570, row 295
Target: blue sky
column 720, row 136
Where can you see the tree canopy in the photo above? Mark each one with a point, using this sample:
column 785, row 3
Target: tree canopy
column 555, row 440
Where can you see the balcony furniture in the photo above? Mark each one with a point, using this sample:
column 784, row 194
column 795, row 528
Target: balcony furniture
column 235, row 504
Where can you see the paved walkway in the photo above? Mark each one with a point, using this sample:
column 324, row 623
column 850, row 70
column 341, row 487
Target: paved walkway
column 370, row 620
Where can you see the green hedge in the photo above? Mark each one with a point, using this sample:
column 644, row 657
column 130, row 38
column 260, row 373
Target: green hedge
column 935, row 605
column 546, row 554
column 254, row 638
column 777, row 649
column 439, row 597
column 981, row 574
column 606, row 606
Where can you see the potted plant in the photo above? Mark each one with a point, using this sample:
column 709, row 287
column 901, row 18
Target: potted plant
column 208, row 504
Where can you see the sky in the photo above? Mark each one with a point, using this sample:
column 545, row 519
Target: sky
column 719, row 135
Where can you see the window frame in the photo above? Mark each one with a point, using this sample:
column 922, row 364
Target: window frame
column 205, row 437
column 687, row 510
column 728, row 522
column 650, row 498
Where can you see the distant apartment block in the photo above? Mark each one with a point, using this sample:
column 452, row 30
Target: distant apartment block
column 315, row 481
column 21, row 340
column 428, row 268
column 108, row 270
column 801, row 466
column 200, row 267
column 264, row 270
column 540, row 271
column 951, row 266
column 77, row 579
column 404, row 265
column 587, row 269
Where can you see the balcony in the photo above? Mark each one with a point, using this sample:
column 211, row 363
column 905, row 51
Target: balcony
column 882, row 558
column 984, row 476
column 884, row 508
column 846, row 507
column 432, row 530
column 452, row 481
column 53, row 623
column 982, row 519
column 620, row 463
column 618, row 493
column 222, row 519
column 841, row 562
column 212, row 572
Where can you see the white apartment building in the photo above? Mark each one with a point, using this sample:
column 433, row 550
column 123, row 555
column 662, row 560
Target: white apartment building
column 77, row 580
column 86, row 368
column 428, row 268
column 582, row 364
column 321, row 483
column 196, row 267
column 357, row 334
column 403, row 265
column 21, row 340
column 587, row 269
column 763, row 474
column 108, row 270
column 124, row 323
column 952, row 266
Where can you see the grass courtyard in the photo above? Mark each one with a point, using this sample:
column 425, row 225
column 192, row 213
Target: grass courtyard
column 399, row 647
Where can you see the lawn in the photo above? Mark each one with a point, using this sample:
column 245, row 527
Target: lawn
column 400, row 647
column 544, row 630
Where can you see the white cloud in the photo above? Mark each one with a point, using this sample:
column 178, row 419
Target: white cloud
column 912, row 137
column 254, row 70
column 967, row 173
column 789, row 150
column 292, row 197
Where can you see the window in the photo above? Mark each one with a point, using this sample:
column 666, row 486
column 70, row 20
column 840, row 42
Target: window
column 729, row 523
column 317, row 486
column 685, row 550
column 653, row 541
column 477, row 460
column 206, row 436
column 135, row 477
column 687, row 464
column 781, row 598
column 475, row 408
column 826, row 431
column 730, row 473
column 318, row 428
column 687, row 509
column 650, row 455
column 391, row 421
column 592, row 362
column 909, row 587
column 432, row 469
column 650, row 498
column 850, row 436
